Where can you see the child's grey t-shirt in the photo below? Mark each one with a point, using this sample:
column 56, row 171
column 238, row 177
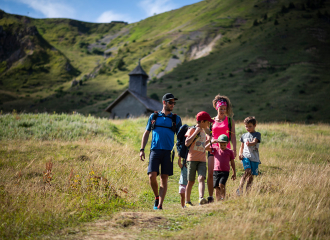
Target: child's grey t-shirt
column 251, row 152
column 183, row 176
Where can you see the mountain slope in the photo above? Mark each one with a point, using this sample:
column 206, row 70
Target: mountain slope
column 269, row 57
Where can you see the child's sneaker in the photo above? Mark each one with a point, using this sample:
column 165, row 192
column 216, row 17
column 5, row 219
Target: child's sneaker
column 210, row 199
column 188, row 204
column 238, row 192
column 202, row 201
column 156, row 204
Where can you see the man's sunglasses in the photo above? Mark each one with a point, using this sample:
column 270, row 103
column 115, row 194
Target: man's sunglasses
column 171, row 103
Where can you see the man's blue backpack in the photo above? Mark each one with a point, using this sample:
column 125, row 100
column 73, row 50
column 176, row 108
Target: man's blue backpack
column 181, row 139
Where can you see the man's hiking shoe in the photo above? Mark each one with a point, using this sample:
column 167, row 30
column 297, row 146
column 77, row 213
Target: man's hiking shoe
column 210, row 199
column 202, row 201
column 188, row 204
column 156, row 204
column 238, row 192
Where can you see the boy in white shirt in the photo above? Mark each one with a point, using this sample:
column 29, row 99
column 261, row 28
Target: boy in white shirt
column 249, row 153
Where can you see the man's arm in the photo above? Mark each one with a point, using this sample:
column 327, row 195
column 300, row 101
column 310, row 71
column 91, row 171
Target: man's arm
column 234, row 169
column 144, row 141
column 190, row 139
column 178, row 125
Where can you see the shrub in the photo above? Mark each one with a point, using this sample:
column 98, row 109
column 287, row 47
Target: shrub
column 120, row 64
column 83, row 44
column 97, row 51
column 255, row 23
column 275, row 22
column 291, row 5
column 284, row 9
column 154, row 96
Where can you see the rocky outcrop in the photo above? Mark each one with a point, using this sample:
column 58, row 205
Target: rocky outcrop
column 18, row 41
column 203, row 48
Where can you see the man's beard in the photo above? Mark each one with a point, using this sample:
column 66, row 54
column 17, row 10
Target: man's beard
column 167, row 108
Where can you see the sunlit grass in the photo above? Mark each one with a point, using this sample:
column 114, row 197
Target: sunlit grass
column 56, row 174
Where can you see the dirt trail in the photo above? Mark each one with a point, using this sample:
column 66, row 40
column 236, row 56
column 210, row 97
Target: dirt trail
column 123, row 225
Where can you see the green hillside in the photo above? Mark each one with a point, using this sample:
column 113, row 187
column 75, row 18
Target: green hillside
column 269, row 57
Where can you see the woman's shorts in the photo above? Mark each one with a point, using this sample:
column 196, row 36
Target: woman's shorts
column 182, row 188
column 220, row 177
column 249, row 164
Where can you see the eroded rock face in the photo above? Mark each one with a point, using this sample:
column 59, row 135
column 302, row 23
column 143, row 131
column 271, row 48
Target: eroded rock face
column 203, row 48
column 14, row 42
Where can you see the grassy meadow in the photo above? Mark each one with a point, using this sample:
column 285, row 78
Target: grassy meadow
column 74, row 176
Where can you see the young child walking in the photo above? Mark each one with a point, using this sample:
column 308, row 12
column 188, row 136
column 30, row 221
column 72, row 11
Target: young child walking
column 222, row 157
column 183, row 181
column 196, row 159
column 249, row 153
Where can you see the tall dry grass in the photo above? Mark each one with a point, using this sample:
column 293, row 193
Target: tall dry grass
column 291, row 197
column 52, row 178
column 48, row 185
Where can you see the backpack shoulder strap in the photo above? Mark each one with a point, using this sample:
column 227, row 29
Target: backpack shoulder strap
column 188, row 147
column 229, row 126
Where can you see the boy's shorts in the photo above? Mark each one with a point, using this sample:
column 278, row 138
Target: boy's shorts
column 192, row 167
column 182, row 188
column 160, row 157
column 220, row 177
column 249, row 164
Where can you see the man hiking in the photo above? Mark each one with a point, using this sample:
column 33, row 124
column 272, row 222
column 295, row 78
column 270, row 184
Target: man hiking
column 163, row 125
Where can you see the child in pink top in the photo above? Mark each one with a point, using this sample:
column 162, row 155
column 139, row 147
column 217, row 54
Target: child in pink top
column 222, row 157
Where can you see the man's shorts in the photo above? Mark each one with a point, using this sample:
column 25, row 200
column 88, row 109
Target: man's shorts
column 249, row 164
column 182, row 188
column 163, row 158
column 192, row 167
column 220, row 177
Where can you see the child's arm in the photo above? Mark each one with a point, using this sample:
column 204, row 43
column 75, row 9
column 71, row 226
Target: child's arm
column 234, row 169
column 190, row 139
column 253, row 143
column 208, row 146
column 241, row 151
column 179, row 162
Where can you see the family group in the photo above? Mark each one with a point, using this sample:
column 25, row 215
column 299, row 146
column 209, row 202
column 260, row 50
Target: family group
column 211, row 135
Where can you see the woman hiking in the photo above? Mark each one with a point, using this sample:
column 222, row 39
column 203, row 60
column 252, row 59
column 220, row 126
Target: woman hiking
column 223, row 124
